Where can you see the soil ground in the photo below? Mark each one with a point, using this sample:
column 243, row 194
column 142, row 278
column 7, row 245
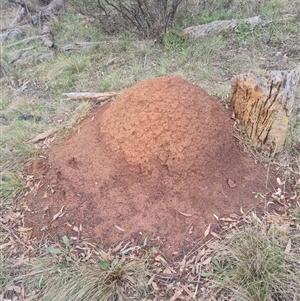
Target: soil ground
column 158, row 162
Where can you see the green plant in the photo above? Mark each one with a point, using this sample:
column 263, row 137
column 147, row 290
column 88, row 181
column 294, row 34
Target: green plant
column 258, row 195
column 65, row 253
column 50, row 187
column 44, row 228
column 11, row 187
column 174, row 39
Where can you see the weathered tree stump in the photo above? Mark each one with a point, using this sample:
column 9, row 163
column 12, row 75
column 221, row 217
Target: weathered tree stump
column 263, row 106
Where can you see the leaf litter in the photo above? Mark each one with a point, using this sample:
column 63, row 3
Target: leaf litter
column 185, row 277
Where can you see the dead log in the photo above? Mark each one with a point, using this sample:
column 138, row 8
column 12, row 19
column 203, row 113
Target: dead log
column 18, row 54
column 263, row 105
column 54, row 6
column 12, row 34
column 24, row 41
column 89, row 96
column 85, row 45
column 47, row 37
column 21, row 14
column 217, row 27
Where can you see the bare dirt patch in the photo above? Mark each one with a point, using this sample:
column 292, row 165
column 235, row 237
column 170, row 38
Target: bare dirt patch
column 159, row 162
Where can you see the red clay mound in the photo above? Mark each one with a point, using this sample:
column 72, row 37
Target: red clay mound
column 155, row 162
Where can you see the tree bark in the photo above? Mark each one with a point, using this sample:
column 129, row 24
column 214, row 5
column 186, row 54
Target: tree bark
column 263, row 105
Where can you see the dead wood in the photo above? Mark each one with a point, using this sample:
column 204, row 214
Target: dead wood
column 263, row 105
column 24, row 41
column 22, row 12
column 18, row 54
column 85, row 45
column 33, row 57
column 43, row 136
column 89, row 96
column 47, row 37
column 12, row 33
column 54, row 6
column 217, row 27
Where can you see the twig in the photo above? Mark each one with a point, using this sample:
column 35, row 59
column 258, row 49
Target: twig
column 24, row 41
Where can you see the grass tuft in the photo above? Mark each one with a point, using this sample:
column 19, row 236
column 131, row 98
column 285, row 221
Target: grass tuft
column 112, row 278
column 258, row 265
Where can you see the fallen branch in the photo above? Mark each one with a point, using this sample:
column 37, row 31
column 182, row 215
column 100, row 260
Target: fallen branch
column 85, row 45
column 18, row 54
column 217, row 27
column 35, row 57
column 43, row 136
column 54, row 6
column 12, row 34
column 24, row 41
column 89, row 96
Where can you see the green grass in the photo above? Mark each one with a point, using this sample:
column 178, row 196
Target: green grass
column 4, row 275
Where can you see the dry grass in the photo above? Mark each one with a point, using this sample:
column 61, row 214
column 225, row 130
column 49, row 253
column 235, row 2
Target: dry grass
column 258, row 261
column 119, row 279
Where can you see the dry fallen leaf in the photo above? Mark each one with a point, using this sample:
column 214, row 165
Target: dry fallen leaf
column 207, row 261
column 279, row 182
column 76, row 229
column 188, row 291
column 131, row 279
column 176, row 295
column 185, row 214
column 118, row 247
column 161, row 259
column 119, row 228
column 288, row 247
column 22, row 229
column 58, row 214
column 231, row 183
column 154, row 285
column 216, row 217
column 8, row 244
column 215, row 235
column 151, row 280
column 182, row 263
column 207, row 231
column 227, row 219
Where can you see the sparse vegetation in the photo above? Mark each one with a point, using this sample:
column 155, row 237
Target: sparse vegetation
column 258, row 263
column 148, row 19
column 119, row 279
